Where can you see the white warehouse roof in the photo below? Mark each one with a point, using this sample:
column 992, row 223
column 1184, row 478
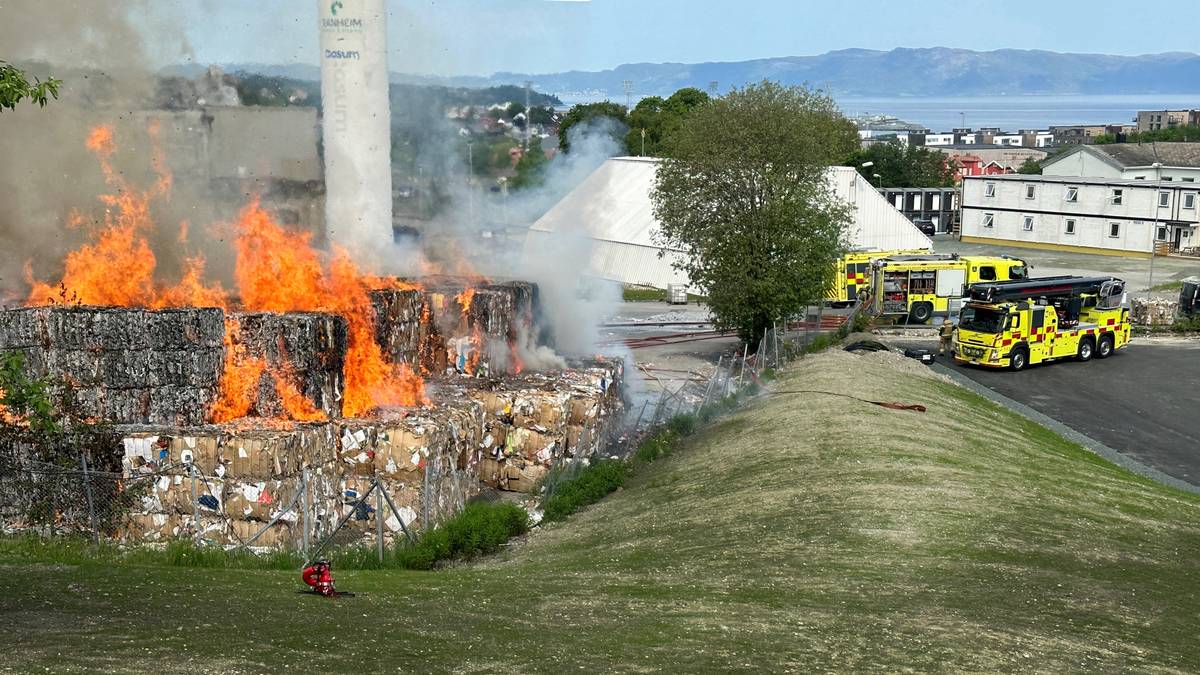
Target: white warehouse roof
column 612, row 211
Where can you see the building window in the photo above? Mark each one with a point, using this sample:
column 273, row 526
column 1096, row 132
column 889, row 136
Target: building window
column 1162, row 234
column 1188, row 180
column 1030, row 191
column 1167, row 178
column 1189, row 200
column 1164, row 199
column 1028, row 225
column 1070, row 223
column 1114, row 229
column 988, row 219
column 935, row 203
column 989, row 190
column 1072, row 194
column 1117, row 196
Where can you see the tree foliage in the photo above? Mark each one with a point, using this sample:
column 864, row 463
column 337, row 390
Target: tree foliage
column 531, row 169
column 902, row 166
column 657, row 119
column 26, row 397
column 744, row 194
column 15, row 86
column 1189, row 133
column 1030, row 166
column 585, row 112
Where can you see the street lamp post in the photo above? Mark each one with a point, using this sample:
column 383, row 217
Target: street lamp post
column 879, row 180
column 867, row 165
column 1154, row 231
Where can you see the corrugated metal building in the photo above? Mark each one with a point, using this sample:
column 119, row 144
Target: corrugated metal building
column 611, row 210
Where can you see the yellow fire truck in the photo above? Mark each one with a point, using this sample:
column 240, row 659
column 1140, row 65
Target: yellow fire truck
column 854, row 274
column 921, row 286
column 1013, row 324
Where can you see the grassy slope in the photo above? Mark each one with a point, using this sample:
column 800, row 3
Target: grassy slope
column 810, row 532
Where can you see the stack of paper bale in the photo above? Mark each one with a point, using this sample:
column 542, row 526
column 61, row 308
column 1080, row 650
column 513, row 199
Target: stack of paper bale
column 223, row 484
column 454, row 325
column 542, row 419
column 308, row 349
column 1154, row 311
column 122, row 365
column 399, row 326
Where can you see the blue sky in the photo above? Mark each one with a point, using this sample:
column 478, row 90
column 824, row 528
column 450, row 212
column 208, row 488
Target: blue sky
column 474, row 37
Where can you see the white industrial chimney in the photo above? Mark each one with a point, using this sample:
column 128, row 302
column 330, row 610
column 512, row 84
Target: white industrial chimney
column 357, row 124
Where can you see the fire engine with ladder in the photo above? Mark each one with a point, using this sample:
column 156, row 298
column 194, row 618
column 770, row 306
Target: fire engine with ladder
column 1014, row 324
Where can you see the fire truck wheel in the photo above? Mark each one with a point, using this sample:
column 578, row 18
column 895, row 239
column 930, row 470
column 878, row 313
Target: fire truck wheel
column 1018, row 359
column 1086, row 349
column 921, row 313
column 1105, row 348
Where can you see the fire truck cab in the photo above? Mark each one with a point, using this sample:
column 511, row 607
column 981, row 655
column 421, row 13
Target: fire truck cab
column 921, row 286
column 1015, row 324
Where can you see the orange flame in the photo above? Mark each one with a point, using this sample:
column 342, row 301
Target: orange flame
column 277, row 270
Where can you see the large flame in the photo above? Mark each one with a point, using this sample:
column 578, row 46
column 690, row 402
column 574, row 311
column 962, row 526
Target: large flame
column 277, row 270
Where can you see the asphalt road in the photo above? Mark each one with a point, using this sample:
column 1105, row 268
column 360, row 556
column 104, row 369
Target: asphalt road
column 1143, row 401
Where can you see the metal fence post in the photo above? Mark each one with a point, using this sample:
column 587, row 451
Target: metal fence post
column 742, row 371
column 425, row 498
column 304, row 520
column 379, row 518
column 195, row 507
column 87, row 488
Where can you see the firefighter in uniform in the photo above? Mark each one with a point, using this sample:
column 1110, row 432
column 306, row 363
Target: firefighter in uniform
column 946, row 333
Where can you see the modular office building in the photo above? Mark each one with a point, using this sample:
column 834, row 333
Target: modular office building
column 1089, row 215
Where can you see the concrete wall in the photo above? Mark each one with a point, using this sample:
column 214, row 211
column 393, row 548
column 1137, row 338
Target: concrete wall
column 259, row 142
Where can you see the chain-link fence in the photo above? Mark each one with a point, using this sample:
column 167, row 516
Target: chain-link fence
column 780, row 344
column 308, row 511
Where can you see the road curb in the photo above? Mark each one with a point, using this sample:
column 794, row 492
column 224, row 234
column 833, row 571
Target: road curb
column 1112, row 455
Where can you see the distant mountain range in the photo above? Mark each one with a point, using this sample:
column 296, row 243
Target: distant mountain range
column 862, row 72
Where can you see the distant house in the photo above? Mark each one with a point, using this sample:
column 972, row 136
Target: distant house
column 1155, row 120
column 1086, row 214
column 1129, row 161
column 939, row 139
column 987, row 160
column 1083, row 134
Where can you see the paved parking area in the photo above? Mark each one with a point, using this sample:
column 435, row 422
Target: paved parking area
column 1049, row 263
column 1141, row 402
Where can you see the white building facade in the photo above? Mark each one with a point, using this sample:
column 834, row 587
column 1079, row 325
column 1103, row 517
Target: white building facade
column 1091, row 215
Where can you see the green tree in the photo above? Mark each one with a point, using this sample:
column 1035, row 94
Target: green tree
column 1030, row 166
column 744, row 193
column 1104, row 139
column 900, row 165
column 654, row 119
column 586, row 112
column 531, row 168
column 15, row 86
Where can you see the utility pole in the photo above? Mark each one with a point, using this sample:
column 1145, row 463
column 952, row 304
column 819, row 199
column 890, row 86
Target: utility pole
column 528, row 87
column 643, row 143
column 628, row 85
column 1154, row 232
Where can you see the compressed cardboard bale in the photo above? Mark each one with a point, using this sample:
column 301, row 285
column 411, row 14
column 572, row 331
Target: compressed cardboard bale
column 399, row 328
column 122, row 365
column 259, row 500
column 151, row 528
column 279, row 535
column 523, row 477
column 308, row 349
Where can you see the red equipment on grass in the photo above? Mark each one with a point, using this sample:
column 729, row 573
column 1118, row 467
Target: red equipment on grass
column 319, row 577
